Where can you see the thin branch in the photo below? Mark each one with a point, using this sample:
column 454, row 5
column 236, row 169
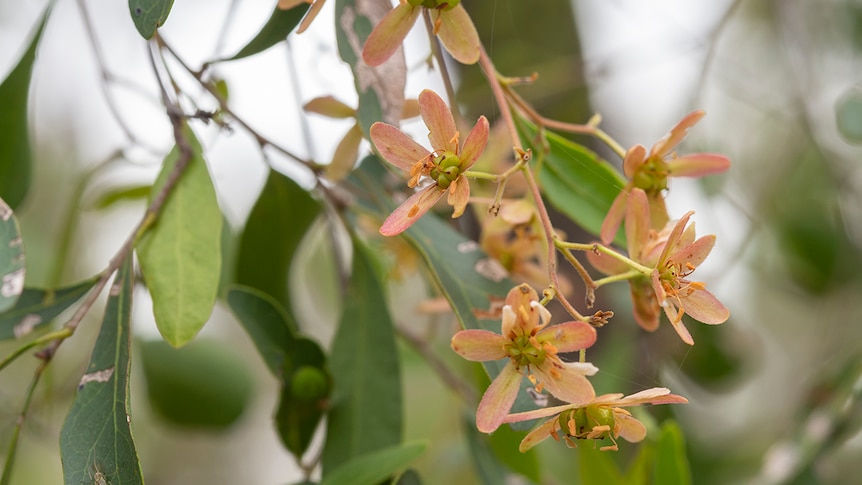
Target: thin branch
column 437, row 52
column 6, row 477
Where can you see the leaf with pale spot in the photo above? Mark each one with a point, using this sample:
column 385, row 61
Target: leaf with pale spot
column 11, row 259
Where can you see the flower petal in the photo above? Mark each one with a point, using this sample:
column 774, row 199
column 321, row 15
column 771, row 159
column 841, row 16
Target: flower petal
column 676, row 134
column 644, row 304
column 330, row 107
column 509, row 320
column 388, row 35
column 674, row 236
column 458, row 34
column 395, row 147
column 566, row 381
column 442, row 132
column 704, row 307
column 479, row 345
column 697, row 165
column 288, row 4
column 498, row 399
column 655, row 395
column 695, row 253
column 629, row 428
column 635, row 157
column 411, row 210
column 637, row 223
column 345, row 155
column 459, row 197
column 678, row 325
column 536, row 436
column 310, row 15
column 537, row 413
column 475, row 143
column 568, row 337
column 615, row 216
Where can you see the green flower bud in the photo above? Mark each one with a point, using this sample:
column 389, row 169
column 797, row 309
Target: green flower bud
column 309, row 383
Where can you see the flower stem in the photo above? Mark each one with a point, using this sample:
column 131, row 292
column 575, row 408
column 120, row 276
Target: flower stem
column 644, row 270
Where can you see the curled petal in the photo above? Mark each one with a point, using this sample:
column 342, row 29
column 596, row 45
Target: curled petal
column 536, row 436
column 458, row 34
column 310, row 15
column 395, row 147
column 459, row 195
column 509, row 320
column 615, row 216
column 676, row 321
column 676, row 134
column 637, row 223
column 568, row 337
column 567, row 381
column 704, row 307
column 635, row 157
column 411, row 210
column 479, row 345
column 442, row 132
column 475, row 143
column 697, row 165
column 629, row 428
column 388, row 35
column 498, row 399
column 674, row 237
column 695, row 253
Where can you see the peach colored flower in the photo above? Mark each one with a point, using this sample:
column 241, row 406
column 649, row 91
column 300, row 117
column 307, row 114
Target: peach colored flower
column 445, row 165
column 602, row 418
column 650, row 171
column 531, row 346
column 316, row 5
column 452, row 25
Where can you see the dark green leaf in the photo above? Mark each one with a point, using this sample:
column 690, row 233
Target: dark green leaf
column 599, row 466
column 848, row 115
column 181, row 255
column 296, row 361
column 574, row 179
column 96, row 438
column 639, row 469
column 409, row 477
column 202, row 385
column 504, row 443
column 149, row 15
column 11, row 259
column 372, row 468
column 366, row 410
column 276, row 29
column 37, row 307
column 279, row 220
column 671, row 465
column 488, row 468
column 15, row 157
column 122, row 194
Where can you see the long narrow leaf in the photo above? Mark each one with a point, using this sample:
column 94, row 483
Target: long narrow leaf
column 11, row 259
column 37, row 307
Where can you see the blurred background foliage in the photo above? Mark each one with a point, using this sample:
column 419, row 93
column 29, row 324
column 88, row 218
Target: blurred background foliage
column 774, row 392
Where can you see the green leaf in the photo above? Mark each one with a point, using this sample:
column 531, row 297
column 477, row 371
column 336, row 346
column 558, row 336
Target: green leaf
column 639, row 469
column 366, row 410
column 15, row 156
column 181, row 255
column 848, row 115
column 574, row 179
column 296, row 361
column 202, row 385
column 504, row 443
column 671, row 464
column 280, row 24
column 122, row 194
column 490, row 470
column 599, row 466
column 372, row 468
column 149, row 15
column 11, row 259
column 37, row 307
column 279, row 220
column 96, row 437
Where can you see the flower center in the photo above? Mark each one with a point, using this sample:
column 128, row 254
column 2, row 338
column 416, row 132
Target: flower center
column 591, row 422
column 446, row 169
column 525, row 351
column 438, row 4
column 651, row 176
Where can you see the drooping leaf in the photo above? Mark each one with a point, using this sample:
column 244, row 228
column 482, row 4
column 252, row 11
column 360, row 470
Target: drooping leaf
column 37, row 307
column 380, row 88
column 11, row 259
column 180, row 256
column 96, row 437
column 671, row 464
column 574, row 179
column 15, row 156
column 149, row 15
column 370, row 468
column 280, row 24
column 298, row 363
column 279, row 220
column 122, row 194
column 202, row 385
column 366, row 412
column 599, row 467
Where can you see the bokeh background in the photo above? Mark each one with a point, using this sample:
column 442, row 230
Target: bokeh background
column 774, row 391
